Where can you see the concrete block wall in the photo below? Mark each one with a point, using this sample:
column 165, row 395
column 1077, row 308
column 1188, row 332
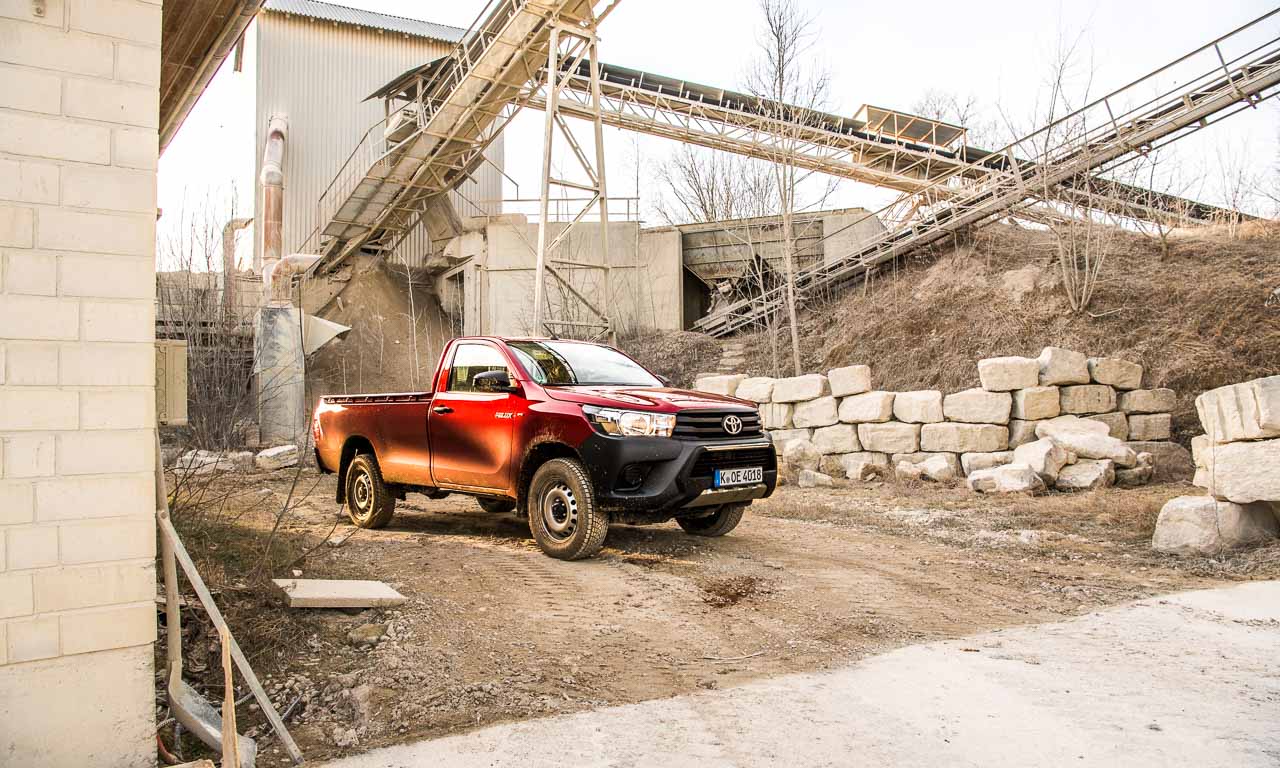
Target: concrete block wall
column 78, row 151
column 975, row 428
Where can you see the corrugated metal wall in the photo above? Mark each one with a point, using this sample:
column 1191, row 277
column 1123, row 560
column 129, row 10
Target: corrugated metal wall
column 316, row 74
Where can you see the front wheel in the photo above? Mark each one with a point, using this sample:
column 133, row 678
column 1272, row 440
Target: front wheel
column 369, row 503
column 563, row 516
column 718, row 523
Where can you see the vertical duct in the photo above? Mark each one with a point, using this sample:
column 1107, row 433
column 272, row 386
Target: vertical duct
column 229, row 264
column 272, row 181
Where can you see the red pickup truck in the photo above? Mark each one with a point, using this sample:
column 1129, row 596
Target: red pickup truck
column 573, row 435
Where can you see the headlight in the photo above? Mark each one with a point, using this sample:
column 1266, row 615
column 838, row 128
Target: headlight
column 612, row 421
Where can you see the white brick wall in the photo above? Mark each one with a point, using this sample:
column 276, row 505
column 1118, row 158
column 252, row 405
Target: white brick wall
column 78, row 116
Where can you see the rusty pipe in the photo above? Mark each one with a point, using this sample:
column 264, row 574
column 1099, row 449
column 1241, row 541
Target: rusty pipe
column 272, row 181
column 229, row 263
column 275, row 276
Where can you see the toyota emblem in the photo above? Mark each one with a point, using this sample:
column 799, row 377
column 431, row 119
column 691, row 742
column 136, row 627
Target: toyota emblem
column 732, row 424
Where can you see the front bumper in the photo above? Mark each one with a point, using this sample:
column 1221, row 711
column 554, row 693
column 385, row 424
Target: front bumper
column 675, row 474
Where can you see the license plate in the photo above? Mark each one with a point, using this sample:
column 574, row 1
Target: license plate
column 740, row 476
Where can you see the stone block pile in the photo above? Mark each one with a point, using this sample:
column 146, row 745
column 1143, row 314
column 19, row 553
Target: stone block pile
column 1237, row 462
column 1079, row 423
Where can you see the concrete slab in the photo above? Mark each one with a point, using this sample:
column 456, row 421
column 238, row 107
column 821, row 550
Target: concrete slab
column 338, row 593
column 1190, row 679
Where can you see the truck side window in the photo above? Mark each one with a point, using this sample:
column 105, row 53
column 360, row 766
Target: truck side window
column 470, row 359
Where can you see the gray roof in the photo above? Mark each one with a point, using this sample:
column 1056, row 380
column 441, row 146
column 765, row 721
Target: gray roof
column 343, row 15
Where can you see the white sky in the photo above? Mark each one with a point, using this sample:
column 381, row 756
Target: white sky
column 994, row 50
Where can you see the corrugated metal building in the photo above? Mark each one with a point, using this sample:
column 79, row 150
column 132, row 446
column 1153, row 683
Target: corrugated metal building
column 316, row 63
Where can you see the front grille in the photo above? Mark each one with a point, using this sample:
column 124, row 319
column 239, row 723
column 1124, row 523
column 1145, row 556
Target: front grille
column 709, row 425
column 710, row 461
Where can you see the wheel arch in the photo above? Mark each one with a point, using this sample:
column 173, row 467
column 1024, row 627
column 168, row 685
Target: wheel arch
column 355, row 445
column 537, row 455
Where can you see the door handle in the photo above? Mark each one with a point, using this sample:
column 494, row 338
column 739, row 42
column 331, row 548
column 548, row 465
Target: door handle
column 442, row 409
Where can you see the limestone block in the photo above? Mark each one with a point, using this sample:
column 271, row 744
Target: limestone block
column 919, row 407
column 1021, row 432
column 1005, row 374
column 978, row 406
column 800, row 388
column 830, row 464
column 1087, row 439
column 867, row 407
column 851, row 380
column 822, row 412
column 1243, row 472
column 783, row 436
column 1010, row 478
column 1172, row 462
column 1139, row 475
column 198, row 462
column 920, row 457
column 1088, row 398
column 864, row 465
column 974, row 462
column 1202, row 525
column 1035, row 403
column 1266, row 394
column 1148, row 401
column 964, row 438
column 757, row 389
column 277, row 458
column 726, row 385
column 776, row 415
column 808, row 478
column 1117, row 423
column 1150, row 426
column 1062, row 366
column 1115, row 372
column 889, row 437
column 1233, row 413
column 1087, row 475
column 801, row 454
column 1045, row 457
column 935, row 468
column 837, row 438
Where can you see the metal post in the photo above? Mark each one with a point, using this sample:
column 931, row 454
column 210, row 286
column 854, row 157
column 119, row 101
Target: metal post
column 603, row 190
column 548, row 136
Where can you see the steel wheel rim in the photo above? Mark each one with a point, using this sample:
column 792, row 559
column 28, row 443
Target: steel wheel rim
column 560, row 512
column 362, row 490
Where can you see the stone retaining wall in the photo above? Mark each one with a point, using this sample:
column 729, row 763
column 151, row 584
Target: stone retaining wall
column 856, row 432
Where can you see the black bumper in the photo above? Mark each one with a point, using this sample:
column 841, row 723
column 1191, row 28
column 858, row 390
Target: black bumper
column 674, row 474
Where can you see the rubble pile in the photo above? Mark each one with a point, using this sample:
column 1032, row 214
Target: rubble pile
column 1237, row 462
column 1062, row 420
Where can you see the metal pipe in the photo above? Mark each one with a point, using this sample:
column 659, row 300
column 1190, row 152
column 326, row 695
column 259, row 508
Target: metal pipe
column 229, row 263
column 272, row 181
column 275, row 276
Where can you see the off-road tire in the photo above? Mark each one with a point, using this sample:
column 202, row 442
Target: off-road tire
column 725, row 519
column 373, row 505
column 563, row 484
column 496, row 506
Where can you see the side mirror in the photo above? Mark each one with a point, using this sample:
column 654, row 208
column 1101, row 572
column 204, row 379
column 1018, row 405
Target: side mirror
column 665, row 381
column 492, row 381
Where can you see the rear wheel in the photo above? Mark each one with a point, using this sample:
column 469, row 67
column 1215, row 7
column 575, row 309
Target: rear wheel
column 369, row 503
column 720, row 522
column 563, row 515
column 496, row 506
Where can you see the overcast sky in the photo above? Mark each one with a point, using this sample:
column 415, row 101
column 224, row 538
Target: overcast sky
column 996, row 51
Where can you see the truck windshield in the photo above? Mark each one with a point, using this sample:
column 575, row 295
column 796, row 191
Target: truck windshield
column 567, row 363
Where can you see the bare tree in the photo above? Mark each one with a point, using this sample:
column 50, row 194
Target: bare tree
column 794, row 88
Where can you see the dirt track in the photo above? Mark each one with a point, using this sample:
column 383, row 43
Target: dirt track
column 495, row 631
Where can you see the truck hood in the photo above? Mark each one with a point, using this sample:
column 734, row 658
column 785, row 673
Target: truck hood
column 662, row 400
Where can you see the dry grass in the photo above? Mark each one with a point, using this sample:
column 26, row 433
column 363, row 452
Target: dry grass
column 678, row 355
column 1195, row 319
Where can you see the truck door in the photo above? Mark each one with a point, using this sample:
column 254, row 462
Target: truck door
column 471, row 429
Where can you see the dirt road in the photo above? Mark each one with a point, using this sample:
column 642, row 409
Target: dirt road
column 1186, row 680
column 495, row 631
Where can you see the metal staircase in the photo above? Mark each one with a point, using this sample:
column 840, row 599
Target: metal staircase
column 1210, row 83
column 404, row 163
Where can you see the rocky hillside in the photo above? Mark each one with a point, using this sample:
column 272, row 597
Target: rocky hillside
column 1194, row 315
